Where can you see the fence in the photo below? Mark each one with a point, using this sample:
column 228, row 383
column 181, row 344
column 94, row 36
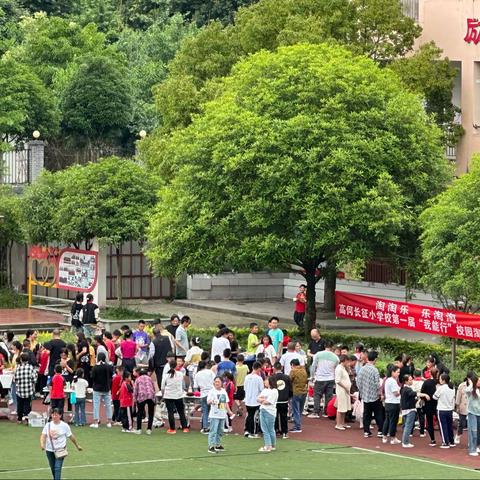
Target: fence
column 15, row 167
column 411, row 8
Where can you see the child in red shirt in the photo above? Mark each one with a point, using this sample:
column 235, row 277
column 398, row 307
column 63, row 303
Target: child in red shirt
column 57, row 395
column 126, row 402
column 43, row 358
column 116, row 383
column 229, row 386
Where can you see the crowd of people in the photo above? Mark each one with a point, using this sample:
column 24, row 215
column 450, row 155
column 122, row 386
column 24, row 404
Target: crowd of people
column 271, row 382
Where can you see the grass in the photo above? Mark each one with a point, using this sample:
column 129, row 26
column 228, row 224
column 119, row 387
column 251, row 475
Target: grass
column 110, row 454
column 122, row 313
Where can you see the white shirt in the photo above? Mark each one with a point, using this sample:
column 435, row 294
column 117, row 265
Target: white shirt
column 391, row 386
column 80, row 388
column 287, row 357
column 253, row 387
column 271, row 396
column 219, row 344
column 59, row 432
column 204, row 381
column 269, row 352
column 445, row 397
column 218, row 409
column 172, row 387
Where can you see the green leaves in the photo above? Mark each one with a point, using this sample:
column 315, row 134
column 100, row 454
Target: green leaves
column 299, row 157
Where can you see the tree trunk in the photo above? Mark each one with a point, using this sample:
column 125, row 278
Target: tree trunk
column 330, row 286
column 9, row 265
column 311, row 311
column 118, row 251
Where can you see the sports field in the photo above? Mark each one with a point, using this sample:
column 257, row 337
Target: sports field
column 115, row 455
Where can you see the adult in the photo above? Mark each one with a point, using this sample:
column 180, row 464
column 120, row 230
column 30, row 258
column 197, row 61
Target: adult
column 89, row 316
column 300, row 300
column 368, row 382
column 288, row 356
column 54, row 347
column 144, row 396
column 25, row 377
column 392, row 405
column 100, row 346
column 53, row 441
column 472, row 391
column 267, row 349
column 141, row 338
column 220, row 342
column 75, row 310
column 253, row 387
column 181, row 337
column 128, row 350
column 234, row 347
column 174, row 323
column 284, row 388
column 429, row 388
column 83, row 355
column 276, row 334
column 323, row 371
column 299, row 379
column 317, row 344
column 102, row 374
column 342, row 390
column 172, row 392
column 31, row 335
column 160, row 346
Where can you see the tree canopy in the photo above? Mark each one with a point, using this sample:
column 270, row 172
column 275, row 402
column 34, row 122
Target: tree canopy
column 450, row 247
column 306, row 155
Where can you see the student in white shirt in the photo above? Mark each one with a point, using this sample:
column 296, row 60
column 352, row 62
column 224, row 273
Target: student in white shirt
column 80, row 386
column 445, row 396
column 203, row 383
column 392, row 406
column 218, row 400
column 266, row 348
column 288, row 356
column 268, row 411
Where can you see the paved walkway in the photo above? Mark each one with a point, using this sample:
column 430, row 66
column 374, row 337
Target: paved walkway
column 238, row 313
column 23, row 318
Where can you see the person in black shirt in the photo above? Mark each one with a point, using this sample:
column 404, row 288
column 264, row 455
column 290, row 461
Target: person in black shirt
column 174, row 323
column 54, row 347
column 285, row 392
column 89, row 316
column 316, row 345
column 77, row 307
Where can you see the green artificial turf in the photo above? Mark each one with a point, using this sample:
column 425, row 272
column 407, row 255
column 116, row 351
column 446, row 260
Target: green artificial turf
column 110, row 454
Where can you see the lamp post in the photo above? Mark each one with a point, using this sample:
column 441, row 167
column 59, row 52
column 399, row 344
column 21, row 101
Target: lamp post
column 142, row 134
column 36, row 134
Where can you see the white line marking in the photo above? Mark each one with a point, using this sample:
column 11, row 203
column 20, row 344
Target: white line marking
column 333, row 452
column 421, row 460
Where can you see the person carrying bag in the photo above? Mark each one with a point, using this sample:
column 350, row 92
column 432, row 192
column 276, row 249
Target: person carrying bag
column 54, row 441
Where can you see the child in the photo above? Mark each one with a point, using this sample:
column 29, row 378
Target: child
column 461, row 407
column 229, row 386
column 116, row 383
column 267, row 368
column 226, row 365
column 417, row 388
column 218, row 400
column 80, row 386
column 43, row 357
column 194, row 355
column 445, row 396
column 203, row 384
column 408, row 402
column 242, row 371
column 126, row 402
column 268, row 411
column 57, row 396
column 473, row 408
column 180, row 367
column 144, row 395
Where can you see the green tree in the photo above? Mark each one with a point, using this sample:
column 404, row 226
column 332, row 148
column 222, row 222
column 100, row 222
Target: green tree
column 52, row 7
column 307, row 155
column 10, row 15
column 450, row 243
column 96, row 103
column 427, row 73
column 10, row 231
column 26, row 103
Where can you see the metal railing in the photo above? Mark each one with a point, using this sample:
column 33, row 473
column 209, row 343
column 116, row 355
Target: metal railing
column 411, row 8
column 15, row 167
column 451, row 152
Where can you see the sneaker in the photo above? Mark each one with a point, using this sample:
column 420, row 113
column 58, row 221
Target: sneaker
column 432, row 444
column 229, row 429
column 444, row 445
column 205, row 431
column 478, row 450
column 422, row 435
column 211, row 450
column 137, row 432
column 246, row 434
column 284, row 436
column 395, row 441
column 457, row 440
column 296, row 430
column 313, row 415
column 171, row 432
column 339, row 427
column 407, row 445
column 219, row 448
column 124, row 430
column 186, row 430
column 253, row 436
column 94, row 425
column 117, row 424
column 225, row 430
column 379, row 435
column 474, row 454
column 325, row 415
column 367, row 435
column 109, row 425
column 148, row 432
column 453, row 445
column 384, row 439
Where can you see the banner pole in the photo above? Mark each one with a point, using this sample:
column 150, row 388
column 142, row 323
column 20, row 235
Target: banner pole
column 454, row 352
column 29, row 290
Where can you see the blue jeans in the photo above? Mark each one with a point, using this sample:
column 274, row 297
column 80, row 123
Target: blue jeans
column 80, row 417
column 56, row 465
column 205, row 410
column 408, row 423
column 473, row 430
column 13, row 394
column 216, row 431
column 267, row 424
column 298, row 402
column 107, row 400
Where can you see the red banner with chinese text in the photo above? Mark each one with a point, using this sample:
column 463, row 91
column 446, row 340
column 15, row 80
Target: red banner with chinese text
column 421, row 318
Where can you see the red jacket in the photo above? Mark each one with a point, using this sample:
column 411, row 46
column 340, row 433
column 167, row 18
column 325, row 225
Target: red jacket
column 126, row 395
column 116, row 383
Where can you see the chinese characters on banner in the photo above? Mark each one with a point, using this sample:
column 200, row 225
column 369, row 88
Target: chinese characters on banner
column 473, row 31
column 420, row 318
